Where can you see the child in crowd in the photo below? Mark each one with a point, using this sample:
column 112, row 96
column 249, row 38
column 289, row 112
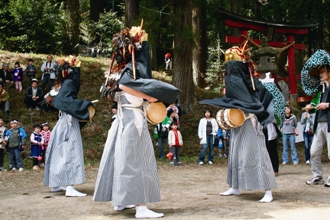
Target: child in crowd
column 15, row 139
column 288, row 128
column 175, row 143
column 172, row 108
column 45, row 133
column 2, row 146
column 223, row 136
column 18, row 76
column 37, row 141
column 30, row 72
column 307, row 120
column 161, row 135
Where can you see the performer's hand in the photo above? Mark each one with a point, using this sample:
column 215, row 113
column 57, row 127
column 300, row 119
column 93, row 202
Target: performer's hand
column 322, row 106
column 151, row 99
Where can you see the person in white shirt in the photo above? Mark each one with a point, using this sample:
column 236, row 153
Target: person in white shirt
column 207, row 129
column 48, row 70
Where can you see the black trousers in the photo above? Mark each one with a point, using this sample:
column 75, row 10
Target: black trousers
column 47, row 80
column 30, row 103
column 2, row 154
column 35, row 161
column 175, row 150
column 43, row 156
column 273, row 154
column 272, row 150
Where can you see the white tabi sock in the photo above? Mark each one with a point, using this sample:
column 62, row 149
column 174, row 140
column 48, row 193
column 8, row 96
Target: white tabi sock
column 230, row 192
column 72, row 192
column 144, row 212
column 268, row 197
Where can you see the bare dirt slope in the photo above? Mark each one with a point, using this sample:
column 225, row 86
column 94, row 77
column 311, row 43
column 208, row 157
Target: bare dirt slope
column 188, row 192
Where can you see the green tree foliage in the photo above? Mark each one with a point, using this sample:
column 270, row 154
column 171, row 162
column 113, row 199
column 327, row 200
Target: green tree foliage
column 42, row 26
column 157, row 16
column 215, row 66
column 37, row 26
column 108, row 25
column 87, row 32
column 5, row 24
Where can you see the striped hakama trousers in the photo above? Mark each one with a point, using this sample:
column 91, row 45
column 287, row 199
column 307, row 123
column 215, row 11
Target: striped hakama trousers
column 249, row 166
column 128, row 170
column 64, row 156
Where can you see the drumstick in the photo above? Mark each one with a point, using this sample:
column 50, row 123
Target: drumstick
column 133, row 62
column 110, row 67
column 94, row 101
column 309, row 108
column 251, row 76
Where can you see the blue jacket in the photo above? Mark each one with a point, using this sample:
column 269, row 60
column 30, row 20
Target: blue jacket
column 22, row 135
column 220, row 134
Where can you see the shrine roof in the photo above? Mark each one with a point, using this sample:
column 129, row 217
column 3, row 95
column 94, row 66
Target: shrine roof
column 292, row 25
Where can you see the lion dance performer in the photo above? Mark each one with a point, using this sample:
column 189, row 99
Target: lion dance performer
column 128, row 172
column 64, row 155
column 249, row 166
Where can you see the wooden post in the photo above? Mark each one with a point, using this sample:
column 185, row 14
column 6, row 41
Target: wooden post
column 292, row 71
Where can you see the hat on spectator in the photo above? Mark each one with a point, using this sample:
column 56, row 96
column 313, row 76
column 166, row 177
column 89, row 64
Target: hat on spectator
column 45, row 124
column 34, row 80
column 13, row 121
column 1, row 82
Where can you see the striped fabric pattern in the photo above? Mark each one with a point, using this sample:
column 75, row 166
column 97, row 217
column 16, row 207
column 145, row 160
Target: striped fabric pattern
column 64, row 156
column 128, row 170
column 249, row 166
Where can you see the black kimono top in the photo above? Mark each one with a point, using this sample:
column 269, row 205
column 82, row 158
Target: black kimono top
column 164, row 92
column 67, row 98
column 240, row 93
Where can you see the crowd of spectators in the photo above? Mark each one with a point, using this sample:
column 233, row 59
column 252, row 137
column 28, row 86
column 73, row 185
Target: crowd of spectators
column 14, row 137
column 11, row 79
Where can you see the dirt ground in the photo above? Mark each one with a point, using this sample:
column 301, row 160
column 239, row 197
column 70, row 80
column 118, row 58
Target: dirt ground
column 188, row 192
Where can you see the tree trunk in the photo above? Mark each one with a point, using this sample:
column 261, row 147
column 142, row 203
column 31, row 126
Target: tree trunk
column 153, row 54
column 96, row 7
column 131, row 12
column 183, row 41
column 199, row 54
column 73, row 13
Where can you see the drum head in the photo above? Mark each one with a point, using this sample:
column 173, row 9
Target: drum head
column 235, row 116
column 156, row 112
column 221, row 121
